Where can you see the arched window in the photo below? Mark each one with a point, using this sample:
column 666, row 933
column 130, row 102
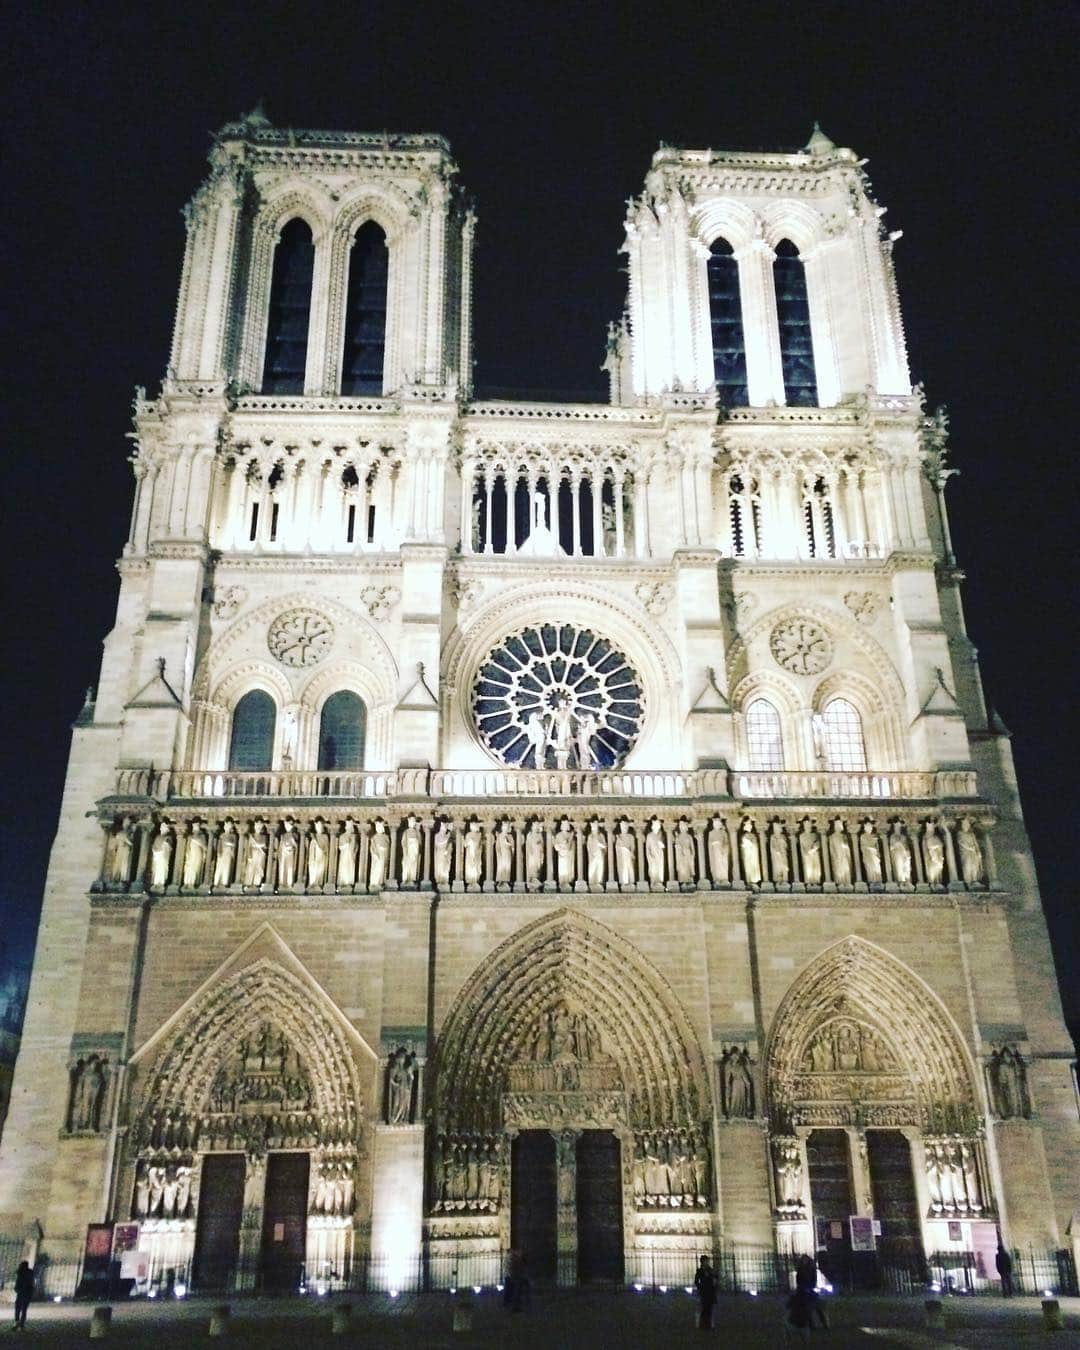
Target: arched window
column 744, row 509
column 843, row 737
column 252, row 742
column 793, row 312
column 728, row 342
column 341, row 731
column 365, row 313
column 819, row 519
column 290, row 310
column 763, row 735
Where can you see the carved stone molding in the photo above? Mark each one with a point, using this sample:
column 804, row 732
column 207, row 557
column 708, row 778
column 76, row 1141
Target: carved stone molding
column 801, row 646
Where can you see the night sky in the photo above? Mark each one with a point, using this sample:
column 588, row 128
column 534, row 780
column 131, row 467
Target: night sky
column 552, row 111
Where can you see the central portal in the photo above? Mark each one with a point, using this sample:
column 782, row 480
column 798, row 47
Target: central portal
column 533, row 1199
column 599, row 1207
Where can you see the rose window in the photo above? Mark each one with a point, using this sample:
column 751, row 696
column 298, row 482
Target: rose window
column 558, row 697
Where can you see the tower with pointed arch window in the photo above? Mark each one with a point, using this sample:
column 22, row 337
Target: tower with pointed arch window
column 577, row 827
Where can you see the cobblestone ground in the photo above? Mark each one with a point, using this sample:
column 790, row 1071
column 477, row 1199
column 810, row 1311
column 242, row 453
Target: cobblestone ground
column 592, row 1321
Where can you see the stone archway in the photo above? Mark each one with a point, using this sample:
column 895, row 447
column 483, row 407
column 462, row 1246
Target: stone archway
column 861, row 1057
column 567, row 1028
column 255, row 1069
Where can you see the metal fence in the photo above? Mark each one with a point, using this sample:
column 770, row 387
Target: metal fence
column 739, row 1269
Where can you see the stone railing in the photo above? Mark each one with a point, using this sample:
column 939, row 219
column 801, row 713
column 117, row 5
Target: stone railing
column 628, row 784
column 272, row 846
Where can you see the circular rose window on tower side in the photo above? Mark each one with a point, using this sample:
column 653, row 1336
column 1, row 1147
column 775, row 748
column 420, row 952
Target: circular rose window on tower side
column 558, row 697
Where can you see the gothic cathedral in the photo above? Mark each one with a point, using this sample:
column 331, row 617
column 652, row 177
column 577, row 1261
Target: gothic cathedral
column 574, row 827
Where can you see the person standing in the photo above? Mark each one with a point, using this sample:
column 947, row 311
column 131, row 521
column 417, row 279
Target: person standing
column 24, row 1292
column 1003, row 1262
column 705, row 1288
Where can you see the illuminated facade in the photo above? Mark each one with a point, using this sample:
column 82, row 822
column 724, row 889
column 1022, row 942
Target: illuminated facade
column 570, row 825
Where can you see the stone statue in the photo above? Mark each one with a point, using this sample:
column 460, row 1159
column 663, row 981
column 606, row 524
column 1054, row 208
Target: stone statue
column 161, row 851
column 504, row 853
column 1008, row 1083
column 318, row 855
column 410, row 853
column 684, row 854
column 821, row 1054
column 719, row 852
column 379, row 857
column 443, row 852
column 142, row 1192
column 534, row 853
column 561, row 733
column 870, row 854
column 255, row 863
column 225, row 860
column 625, row 856
column 749, row 854
column 840, row 854
column 737, row 1084
column 933, row 1177
column 778, row 854
column 900, row 855
column 473, row 866
column 288, row 849
column 818, row 729
column 537, row 738
column 810, row 854
column 969, row 853
column 348, row 841
column 121, row 845
column 654, row 853
column 183, row 1192
column 564, row 845
column 701, row 1172
column 400, row 1080
column 586, row 730
column 596, row 854
column 788, row 1162
column 933, row 854
column 847, row 1048
column 194, row 855
column 87, row 1095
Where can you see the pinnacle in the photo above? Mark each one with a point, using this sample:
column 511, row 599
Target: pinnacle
column 819, row 143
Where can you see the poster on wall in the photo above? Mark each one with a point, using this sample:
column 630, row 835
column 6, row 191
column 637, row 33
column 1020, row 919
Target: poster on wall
column 862, row 1234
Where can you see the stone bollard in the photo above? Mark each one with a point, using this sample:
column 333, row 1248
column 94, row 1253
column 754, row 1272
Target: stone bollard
column 219, row 1320
column 1052, row 1314
column 463, row 1314
column 100, row 1321
column 340, row 1319
column 935, row 1313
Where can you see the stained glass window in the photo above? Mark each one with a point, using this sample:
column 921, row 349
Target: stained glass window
column 725, row 311
column 341, row 731
column 290, row 310
column 252, row 743
column 365, row 313
column 793, row 312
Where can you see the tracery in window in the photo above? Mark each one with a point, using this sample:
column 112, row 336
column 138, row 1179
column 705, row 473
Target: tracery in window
column 251, row 745
column 584, row 512
column 365, row 313
column 728, row 340
column 342, row 729
column 290, row 311
column 744, row 509
column 763, row 736
column 793, row 313
column 819, row 518
column 840, row 728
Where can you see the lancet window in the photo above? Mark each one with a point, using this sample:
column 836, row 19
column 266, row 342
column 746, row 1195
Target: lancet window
column 342, row 729
column 842, row 737
column 365, row 313
column 744, row 514
column 536, row 510
column 728, row 340
column 290, row 311
column 793, row 313
column 251, row 745
column 819, row 518
column 763, row 737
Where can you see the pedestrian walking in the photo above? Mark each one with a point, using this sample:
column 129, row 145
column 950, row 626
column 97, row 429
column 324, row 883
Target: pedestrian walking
column 799, row 1310
column 1004, row 1263
column 806, row 1278
column 24, row 1292
column 705, row 1288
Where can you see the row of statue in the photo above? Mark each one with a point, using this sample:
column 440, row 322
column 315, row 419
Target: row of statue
column 401, row 1084
column 845, row 1047
column 89, row 1078
column 467, row 1174
column 335, row 1188
column 671, row 1169
column 162, row 1191
column 257, row 853
column 952, row 1177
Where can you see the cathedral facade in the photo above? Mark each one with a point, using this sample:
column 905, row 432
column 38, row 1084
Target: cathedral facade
column 576, row 827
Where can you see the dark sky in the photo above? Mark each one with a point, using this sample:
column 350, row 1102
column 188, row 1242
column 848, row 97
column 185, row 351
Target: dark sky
column 553, row 111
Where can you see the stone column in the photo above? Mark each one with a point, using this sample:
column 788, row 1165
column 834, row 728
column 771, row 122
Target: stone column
column 566, row 1205
column 251, row 1224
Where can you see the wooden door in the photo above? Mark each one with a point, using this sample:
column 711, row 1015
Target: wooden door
column 217, row 1233
column 533, row 1199
column 599, row 1207
column 284, row 1241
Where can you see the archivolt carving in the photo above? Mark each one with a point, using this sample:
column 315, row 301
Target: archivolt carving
column 723, row 219
column 765, row 684
column 255, row 1064
column 859, row 1039
column 801, row 224
column 561, row 968
column 288, row 201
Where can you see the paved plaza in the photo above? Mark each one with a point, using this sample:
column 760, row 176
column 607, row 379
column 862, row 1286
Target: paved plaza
column 558, row 1320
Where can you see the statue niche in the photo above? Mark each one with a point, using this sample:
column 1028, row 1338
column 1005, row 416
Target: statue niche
column 1007, row 1075
column 86, row 1097
column 401, row 1076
